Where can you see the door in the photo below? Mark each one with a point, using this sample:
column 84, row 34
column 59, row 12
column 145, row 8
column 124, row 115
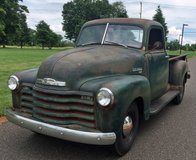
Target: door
column 158, row 64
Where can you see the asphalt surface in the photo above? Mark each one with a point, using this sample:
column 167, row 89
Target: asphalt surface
column 169, row 135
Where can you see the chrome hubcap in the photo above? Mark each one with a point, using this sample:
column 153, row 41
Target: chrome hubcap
column 127, row 126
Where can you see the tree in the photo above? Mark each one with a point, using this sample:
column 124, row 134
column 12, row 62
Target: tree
column 173, row 45
column 2, row 24
column 192, row 47
column 118, row 10
column 77, row 12
column 32, row 37
column 160, row 18
column 54, row 39
column 46, row 37
column 12, row 12
column 42, row 34
column 22, row 31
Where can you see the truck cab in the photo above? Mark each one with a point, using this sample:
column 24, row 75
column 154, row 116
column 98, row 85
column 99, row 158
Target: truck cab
column 96, row 93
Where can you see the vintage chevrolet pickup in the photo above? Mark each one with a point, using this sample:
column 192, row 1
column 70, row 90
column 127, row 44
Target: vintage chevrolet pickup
column 97, row 93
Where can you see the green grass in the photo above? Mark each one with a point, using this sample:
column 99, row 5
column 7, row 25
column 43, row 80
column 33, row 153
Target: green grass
column 15, row 59
column 190, row 53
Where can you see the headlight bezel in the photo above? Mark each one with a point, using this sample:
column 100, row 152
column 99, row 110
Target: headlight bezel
column 16, row 79
column 110, row 94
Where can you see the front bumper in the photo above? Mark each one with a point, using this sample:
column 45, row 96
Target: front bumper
column 97, row 138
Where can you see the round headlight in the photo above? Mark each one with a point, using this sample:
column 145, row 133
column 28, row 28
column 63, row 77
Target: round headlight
column 105, row 97
column 13, row 82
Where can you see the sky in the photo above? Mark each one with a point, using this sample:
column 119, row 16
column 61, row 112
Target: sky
column 176, row 13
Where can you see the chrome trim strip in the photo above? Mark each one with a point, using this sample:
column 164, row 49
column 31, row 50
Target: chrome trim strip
column 106, row 28
column 97, row 138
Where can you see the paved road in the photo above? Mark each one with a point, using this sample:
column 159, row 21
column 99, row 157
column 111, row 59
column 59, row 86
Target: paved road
column 170, row 135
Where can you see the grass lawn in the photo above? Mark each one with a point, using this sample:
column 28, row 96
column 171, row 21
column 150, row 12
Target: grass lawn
column 190, row 53
column 14, row 60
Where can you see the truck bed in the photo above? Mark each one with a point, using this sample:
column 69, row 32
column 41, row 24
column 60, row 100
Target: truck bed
column 177, row 57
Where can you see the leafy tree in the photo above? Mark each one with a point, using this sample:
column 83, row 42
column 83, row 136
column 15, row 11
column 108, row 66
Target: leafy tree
column 46, row 37
column 42, row 34
column 118, row 10
column 77, row 12
column 161, row 19
column 192, row 47
column 12, row 12
column 22, row 31
column 54, row 39
column 189, row 47
column 173, row 45
column 32, row 37
column 2, row 24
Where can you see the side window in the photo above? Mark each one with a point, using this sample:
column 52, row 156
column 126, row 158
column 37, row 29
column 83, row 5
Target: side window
column 156, row 41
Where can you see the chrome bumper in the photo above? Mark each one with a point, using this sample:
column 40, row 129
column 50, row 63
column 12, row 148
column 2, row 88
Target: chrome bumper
column 96, row 138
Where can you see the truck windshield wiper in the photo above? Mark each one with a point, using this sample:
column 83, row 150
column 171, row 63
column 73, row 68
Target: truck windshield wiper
column 91, row 43
column 116, row 43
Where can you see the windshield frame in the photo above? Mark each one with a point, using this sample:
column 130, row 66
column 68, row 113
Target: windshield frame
column 106, row 30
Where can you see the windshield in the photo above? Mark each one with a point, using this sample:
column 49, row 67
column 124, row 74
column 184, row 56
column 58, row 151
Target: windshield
column 112, row 34
column 91, row 35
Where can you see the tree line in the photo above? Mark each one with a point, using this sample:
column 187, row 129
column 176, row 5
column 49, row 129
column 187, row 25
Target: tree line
column 175, row 45
column 15, row 31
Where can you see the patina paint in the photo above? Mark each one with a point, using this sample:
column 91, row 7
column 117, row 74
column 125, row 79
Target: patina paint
column 90, row 62
column 125, row 89
column 133, row 75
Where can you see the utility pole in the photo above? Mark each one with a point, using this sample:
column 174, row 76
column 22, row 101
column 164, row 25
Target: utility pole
column 140, row 10
column 182, row 36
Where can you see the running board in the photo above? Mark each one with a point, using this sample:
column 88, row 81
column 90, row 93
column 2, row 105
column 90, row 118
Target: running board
column 159, row 104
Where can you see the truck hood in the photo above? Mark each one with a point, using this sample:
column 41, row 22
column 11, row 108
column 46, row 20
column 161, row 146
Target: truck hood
column 81, row 64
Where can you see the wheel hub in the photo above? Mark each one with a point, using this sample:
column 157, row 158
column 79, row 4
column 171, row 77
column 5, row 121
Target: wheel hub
column 127, row 126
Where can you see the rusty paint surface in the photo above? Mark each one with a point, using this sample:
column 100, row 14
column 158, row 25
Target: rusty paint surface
column 90, row 62
column 129, row 73
column 87, row 69
column 145, row 23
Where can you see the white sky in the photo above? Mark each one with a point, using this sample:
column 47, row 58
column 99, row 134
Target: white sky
column 176, row 12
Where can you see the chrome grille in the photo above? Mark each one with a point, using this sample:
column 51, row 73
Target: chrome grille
column 27, row 100
column 63, row 108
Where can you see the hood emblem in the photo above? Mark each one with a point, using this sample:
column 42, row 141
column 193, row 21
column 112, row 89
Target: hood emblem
column 51, row 82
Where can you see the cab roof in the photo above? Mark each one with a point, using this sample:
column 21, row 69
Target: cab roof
column 144, row 23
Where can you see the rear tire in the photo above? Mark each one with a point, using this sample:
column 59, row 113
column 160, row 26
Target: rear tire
column 128, row 131
column 178, row 99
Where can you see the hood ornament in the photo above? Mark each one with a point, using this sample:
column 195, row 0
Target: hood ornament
column 51, row 82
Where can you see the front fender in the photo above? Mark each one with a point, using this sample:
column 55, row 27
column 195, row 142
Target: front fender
column 126, row 88
column 26, row 76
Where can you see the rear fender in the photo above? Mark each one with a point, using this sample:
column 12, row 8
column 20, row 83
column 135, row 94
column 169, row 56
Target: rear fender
column 178, row 71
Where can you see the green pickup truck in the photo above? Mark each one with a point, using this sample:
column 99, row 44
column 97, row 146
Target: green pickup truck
column 97, row 93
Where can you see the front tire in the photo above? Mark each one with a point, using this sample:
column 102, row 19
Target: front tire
column 128, row 131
